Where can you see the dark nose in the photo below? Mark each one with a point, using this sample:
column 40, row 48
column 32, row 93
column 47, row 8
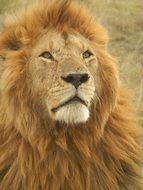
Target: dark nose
column 76, row 79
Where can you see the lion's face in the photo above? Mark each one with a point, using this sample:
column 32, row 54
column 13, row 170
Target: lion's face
column 55, row 64
column 64, row 71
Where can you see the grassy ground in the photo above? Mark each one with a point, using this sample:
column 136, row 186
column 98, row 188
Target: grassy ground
column 124, row 22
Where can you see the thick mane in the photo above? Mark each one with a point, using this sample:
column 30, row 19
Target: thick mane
column 40, row 154
column 24, row 27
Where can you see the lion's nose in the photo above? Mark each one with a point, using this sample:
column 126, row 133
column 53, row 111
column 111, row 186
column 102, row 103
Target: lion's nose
column 76, row 79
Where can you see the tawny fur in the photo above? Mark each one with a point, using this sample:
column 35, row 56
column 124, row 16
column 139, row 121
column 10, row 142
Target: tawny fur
column 38, row 153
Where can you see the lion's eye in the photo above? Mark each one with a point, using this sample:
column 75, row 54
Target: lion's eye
column 87, row 54
column 46, row 55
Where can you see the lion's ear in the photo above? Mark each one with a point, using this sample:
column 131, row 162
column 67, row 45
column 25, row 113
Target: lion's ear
column 12, row 39
column 13, row 44
column 1, row 59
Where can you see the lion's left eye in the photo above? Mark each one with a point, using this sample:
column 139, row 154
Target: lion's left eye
column 87, row 54
column 46, row 55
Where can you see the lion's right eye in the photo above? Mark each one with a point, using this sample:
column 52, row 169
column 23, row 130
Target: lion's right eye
column 46, row 55
column 87, row 54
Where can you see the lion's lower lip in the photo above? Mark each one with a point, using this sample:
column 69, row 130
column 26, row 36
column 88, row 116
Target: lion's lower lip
column 74, row 99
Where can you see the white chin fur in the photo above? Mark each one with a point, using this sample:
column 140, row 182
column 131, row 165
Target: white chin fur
column 73, row 113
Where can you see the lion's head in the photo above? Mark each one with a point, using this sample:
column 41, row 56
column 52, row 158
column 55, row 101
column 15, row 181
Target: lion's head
column 55, row 71
column 60, row 57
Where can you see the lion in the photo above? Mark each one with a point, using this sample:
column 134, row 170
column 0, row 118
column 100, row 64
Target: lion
column 66, row 121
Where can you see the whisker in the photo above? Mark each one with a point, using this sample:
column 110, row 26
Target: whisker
column 56, row 89
column 88, row 93
column 87, row 88
column 99, row 100
column 63, row 93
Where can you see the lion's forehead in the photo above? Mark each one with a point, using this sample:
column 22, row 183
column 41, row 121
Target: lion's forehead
column 59, row 42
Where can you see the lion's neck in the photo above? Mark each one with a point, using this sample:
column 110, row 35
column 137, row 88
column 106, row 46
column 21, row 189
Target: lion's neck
column 66, row 156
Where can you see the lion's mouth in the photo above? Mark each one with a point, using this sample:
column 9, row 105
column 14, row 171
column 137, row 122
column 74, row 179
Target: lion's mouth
column 72, row 100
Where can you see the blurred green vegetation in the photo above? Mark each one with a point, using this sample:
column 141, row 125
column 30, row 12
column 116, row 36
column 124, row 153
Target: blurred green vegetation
column 124, row 21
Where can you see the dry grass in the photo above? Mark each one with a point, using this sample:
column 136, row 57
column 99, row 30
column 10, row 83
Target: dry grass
column 123, row 20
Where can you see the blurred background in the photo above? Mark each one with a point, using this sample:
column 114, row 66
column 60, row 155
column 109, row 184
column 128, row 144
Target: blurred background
column 123, row 20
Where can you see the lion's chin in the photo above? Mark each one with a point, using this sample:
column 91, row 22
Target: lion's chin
column 73, row 113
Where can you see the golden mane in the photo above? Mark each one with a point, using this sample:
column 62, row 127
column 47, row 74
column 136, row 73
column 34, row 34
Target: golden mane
column 39, row 154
